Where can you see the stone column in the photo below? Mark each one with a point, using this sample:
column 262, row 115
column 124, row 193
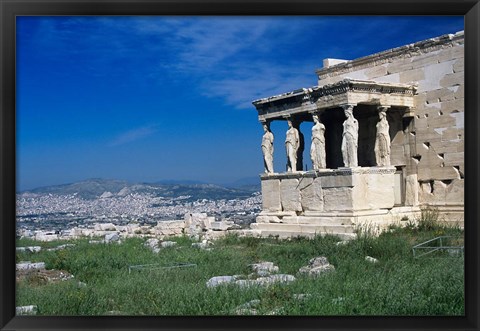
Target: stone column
column 382, row 139
column 301, row 146
column 350, row 138
column 317, row 149
column 267, row 148
column 292, row 145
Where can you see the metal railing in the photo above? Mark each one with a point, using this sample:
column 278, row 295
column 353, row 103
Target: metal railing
column 158, row 266
column 446, row 246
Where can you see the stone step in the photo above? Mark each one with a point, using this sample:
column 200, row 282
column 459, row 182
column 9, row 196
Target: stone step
column 311, row 220
column 289, row 234
column 308, row 228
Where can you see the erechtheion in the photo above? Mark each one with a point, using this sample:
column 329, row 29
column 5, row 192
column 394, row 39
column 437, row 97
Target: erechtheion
column 388, row 140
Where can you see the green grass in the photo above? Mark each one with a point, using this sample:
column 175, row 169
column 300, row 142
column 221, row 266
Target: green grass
column 397, row 285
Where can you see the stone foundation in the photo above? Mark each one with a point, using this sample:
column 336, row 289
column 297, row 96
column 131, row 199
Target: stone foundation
column 344, row 189
column 338, row 202
column 331, row 201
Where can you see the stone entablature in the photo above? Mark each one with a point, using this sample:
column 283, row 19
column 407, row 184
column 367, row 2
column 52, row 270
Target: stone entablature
column 346, row 91
column 426, row 47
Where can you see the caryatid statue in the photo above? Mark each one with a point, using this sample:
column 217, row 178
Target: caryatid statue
column 382, row 141
column 267, row 148
column 317, row 149
column 292, row 143
column 350, row 138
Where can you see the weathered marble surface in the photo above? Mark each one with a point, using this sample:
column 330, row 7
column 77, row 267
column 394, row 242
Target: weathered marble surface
column 292, row 144
column 350, row 139
column 317, row 149
column 267, row 148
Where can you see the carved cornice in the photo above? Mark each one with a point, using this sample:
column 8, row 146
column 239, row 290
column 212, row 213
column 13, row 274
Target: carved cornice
column 346, row 85
column 334, row 95
column 415, row 49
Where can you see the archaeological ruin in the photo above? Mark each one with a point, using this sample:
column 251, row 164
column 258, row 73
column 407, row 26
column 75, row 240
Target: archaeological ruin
column 387, row 141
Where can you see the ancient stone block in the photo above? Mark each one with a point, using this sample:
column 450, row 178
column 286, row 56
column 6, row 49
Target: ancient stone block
column 311, row 194
column 268, row 219
column 380, row 191
column 459, row 65
column 290, row 195
column 443, row 94
column 458, row 90
column 421, row 123
column 420, row 99
column 271, row 195
column 425, row 193
column 391, row 78
column 443, row 147
column 336, row 180
column 457, row 52
column 397, row 156
column 431, row 173
column 453, row 79
column 454, row 193
column 376, row 71
column 425, row 60
column 454, row 105
column 399, row 66
column 414, row 75
column 433, row 74
column 426, row 135
column 411, row 190
column 460, row 145
column 441, row 121
column 453, row 159
column 337, row 198
column 452, row 135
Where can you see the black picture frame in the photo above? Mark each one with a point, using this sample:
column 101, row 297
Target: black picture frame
column 9, row 9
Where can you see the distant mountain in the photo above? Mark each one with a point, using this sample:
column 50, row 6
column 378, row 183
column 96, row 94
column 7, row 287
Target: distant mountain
column 107, row 188
column 245, row 182
column 178, row 182
column 89, row 188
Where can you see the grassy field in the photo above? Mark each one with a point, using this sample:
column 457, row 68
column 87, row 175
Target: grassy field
column 398, row 284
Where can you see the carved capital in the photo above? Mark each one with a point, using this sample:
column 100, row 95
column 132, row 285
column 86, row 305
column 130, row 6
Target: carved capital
column 382, row 109
column 409, row 112
column 348, row 107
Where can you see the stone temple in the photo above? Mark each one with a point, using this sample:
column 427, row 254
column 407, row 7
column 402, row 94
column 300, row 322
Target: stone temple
column 388, row 140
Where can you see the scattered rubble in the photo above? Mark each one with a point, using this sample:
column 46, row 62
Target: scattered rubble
column 165, row 244
column 30, row 249
column 371, row 259
column 254, row 279
column 338, row 300
column 247, row 308
column 316, row 266
column 220, row 280
column 60, row 247
column 197, row 226
column 27, row 265
column 205, row 244
column 43, row 276
column 264, row 268
column 155, row 245
column 81, row 285
column 26, row 310
column 112, row 237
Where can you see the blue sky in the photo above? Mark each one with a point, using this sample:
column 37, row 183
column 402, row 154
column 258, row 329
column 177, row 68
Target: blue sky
column 151, row 98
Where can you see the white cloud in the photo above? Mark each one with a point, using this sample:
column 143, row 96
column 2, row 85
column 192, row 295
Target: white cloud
column 132, row 135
